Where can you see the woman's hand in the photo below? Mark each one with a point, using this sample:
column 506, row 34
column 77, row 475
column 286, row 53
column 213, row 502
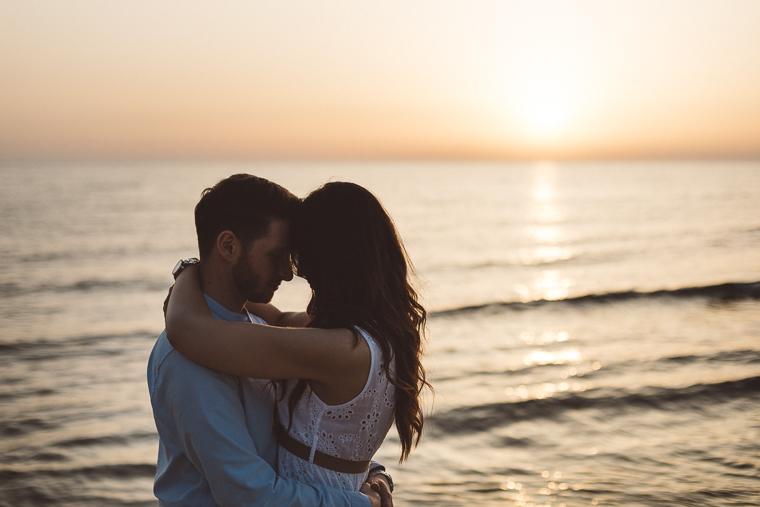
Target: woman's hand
column 274, row 317
column 374, row 496
column 380, row 484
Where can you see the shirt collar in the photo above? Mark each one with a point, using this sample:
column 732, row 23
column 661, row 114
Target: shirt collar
column 221, row 313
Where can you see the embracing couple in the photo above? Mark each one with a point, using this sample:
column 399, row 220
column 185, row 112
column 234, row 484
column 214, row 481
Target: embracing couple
column 258, row 407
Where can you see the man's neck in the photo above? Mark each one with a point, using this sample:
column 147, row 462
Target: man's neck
column 220, row 288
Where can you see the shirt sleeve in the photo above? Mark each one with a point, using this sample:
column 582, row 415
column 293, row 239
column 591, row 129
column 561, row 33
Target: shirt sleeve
column 200, row 411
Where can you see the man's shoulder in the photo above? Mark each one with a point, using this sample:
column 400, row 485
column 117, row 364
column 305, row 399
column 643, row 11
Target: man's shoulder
column 161, row 349
column 255, row 319
column 170, row 369
column 167, row 365
column 163, row 352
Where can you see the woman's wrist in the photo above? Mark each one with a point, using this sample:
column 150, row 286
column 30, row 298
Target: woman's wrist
column 183, row 264
column 381, row 471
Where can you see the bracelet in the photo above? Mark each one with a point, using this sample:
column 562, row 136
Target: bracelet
column 182, row 264
column 386, row 475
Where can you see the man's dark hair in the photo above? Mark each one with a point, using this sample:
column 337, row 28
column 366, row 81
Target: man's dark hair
column 243, row 204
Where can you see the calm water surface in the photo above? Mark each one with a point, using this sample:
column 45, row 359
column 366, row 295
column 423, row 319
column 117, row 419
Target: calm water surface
column 594, row 330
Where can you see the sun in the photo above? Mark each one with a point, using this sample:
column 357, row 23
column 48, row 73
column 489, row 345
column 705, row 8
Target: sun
column 544, row 114
column 544, row 110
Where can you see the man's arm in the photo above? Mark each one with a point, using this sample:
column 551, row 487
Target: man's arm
column 199, row 411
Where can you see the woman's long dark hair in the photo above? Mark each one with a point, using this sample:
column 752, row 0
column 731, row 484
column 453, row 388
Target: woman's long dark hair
column 346, row 246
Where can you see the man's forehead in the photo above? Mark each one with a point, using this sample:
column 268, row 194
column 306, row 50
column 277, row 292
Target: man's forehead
column 276, row 236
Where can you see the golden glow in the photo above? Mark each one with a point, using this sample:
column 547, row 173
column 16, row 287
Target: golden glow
column 545, row 106
column 493, row 79
column 544, row 112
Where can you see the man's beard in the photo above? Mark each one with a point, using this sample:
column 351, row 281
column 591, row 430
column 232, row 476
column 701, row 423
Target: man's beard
column 250, row 285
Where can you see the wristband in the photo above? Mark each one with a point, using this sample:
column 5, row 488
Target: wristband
column 386, row 475
column 182, row 264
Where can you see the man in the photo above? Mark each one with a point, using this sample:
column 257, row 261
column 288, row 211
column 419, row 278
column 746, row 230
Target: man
column 216, row 445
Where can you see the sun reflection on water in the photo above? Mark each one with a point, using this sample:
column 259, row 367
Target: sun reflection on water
column 545, row 337
column 550, row 285
column 545, row 231
column 547, row 234
column 544, row 209
column 545, row 389
column 547, row 491
column 546, row 255
column 544, row 357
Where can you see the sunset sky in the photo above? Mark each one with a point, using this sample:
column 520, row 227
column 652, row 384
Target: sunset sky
column 201, row 79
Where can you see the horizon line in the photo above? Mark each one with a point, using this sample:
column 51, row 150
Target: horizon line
column 718, row 157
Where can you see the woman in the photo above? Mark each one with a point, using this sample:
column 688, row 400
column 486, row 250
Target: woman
column 358, row 362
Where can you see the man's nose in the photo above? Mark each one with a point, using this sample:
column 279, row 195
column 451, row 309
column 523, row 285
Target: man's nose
column 286, row 269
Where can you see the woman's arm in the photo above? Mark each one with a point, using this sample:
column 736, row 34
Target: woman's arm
column 331, row 357
column 274, row 317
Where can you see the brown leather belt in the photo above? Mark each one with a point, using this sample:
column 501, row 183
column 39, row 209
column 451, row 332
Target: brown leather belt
column 321, row 459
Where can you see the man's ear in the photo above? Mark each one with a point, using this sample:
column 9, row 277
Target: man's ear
column 228, row 246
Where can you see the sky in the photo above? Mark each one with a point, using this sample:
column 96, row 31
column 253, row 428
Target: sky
column 390, row 79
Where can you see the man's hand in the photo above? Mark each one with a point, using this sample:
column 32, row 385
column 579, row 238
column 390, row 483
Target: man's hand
column 379, row 484
column 374, row 496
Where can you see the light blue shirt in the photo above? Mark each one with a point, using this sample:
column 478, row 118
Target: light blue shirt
column 216, row 446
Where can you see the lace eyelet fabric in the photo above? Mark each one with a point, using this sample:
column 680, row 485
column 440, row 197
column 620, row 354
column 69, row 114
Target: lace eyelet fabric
column 354, row 430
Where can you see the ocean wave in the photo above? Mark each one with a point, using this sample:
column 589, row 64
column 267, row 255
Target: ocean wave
column 27, row 393
column 486, row 417
column 97, row 472
column 526, row 257
column 78, row 251
column 735, row 357
column 38, row 257
column 74, row 346
column 721, row 292
column 731, row 357
column 9, row 290
column 58, row 485
column 105, row 440
column 24, row 426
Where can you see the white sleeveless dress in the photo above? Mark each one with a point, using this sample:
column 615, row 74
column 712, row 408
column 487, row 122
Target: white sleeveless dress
column 352, row 431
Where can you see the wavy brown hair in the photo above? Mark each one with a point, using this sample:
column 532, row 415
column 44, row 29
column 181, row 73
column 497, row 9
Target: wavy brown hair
column 346, row 246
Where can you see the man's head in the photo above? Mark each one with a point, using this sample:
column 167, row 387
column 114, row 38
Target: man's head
column 242, row 226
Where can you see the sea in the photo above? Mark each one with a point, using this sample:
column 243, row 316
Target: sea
column 593, row 340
